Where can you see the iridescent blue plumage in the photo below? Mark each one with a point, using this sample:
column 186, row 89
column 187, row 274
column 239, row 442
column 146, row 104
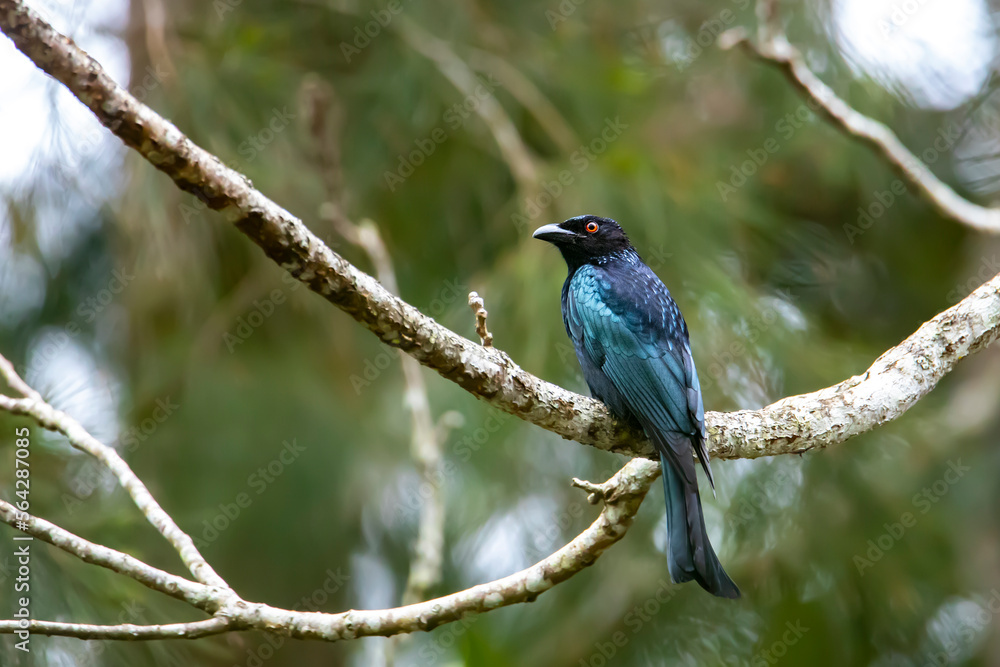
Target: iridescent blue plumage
column 632, row 343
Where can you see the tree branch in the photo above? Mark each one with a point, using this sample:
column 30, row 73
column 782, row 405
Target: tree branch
column 478, row 307
column 626, row 489
column 126, row 631
column 198, row 595
column 487, row 373
column 623, row 495
column 892, row 385
column 895, row 381
column 773, row 48
column 32, row 405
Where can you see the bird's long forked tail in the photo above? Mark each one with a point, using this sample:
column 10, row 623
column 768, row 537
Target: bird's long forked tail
column 690, row 555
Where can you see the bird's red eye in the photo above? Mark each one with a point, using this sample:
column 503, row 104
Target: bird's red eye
column 591, row 226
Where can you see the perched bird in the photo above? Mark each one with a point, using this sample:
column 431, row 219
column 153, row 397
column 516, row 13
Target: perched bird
column 632, row 343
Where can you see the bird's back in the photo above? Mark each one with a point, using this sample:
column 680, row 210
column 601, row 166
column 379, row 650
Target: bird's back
column 627, row 329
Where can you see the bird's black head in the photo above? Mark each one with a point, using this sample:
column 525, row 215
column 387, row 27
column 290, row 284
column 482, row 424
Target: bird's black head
column 585, row 238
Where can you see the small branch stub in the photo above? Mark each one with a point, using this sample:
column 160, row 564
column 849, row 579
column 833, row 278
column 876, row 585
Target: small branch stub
column 478, row 307
column 595, row 492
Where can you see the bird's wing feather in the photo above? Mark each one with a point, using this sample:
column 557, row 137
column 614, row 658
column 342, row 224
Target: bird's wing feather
column 636, row 335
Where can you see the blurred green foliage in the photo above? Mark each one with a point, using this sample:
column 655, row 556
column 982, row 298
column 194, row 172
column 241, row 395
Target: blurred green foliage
column 780, row 298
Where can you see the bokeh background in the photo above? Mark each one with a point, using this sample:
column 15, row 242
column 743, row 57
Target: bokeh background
column 795, row 253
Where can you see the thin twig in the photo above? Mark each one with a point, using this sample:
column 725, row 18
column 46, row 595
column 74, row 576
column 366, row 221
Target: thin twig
column 478, row 307
column 773, row 48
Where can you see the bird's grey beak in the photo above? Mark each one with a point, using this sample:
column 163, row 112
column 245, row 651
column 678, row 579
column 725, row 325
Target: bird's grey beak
column 552, row 233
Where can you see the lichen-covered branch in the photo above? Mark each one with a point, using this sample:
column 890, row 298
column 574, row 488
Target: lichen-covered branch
column 772, row 47
column 813, row 420
column 899, row 378
column 626, row 490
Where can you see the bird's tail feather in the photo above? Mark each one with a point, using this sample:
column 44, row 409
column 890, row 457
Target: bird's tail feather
column 690, row 555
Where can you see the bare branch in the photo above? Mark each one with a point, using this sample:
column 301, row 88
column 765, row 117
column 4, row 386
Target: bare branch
column 773, row 48
column 892, row 385
column 193, row 630
column 826, row 417
column 55, row 420
column 630, row 485
column 199, row 595
column 15, row 382
column 624, row 493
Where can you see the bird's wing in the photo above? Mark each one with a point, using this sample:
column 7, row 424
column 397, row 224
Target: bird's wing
column 637, row 337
